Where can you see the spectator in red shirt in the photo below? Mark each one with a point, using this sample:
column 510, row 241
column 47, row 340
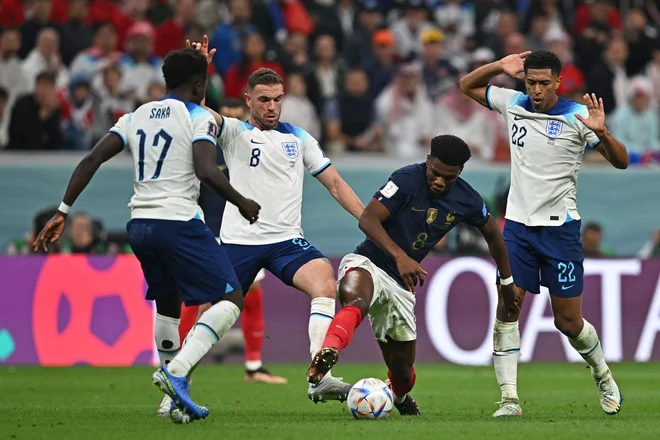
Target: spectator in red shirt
column 572, row 78
column 596, row 11
column 170, row 35
column 254, row 57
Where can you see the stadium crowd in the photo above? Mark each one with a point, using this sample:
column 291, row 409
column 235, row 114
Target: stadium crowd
column 361, row 75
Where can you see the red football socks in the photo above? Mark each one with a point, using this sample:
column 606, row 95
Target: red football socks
column 401, row 388
column 188, row 319
column 342, row 327
column 253, row 324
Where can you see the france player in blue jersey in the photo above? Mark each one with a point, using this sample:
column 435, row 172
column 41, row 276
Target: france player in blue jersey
column 406, row 218
column 548, row 136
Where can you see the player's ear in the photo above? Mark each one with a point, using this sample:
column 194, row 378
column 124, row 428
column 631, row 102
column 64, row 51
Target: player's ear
column 557, row 82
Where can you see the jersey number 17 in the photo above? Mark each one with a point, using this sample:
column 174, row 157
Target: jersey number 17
column 162, row 134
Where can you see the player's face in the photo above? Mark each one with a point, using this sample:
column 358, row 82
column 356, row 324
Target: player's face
column 439, row 177
column 265, row 103
column 542, row 88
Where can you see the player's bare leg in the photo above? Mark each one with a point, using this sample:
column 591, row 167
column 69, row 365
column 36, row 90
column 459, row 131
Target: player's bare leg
column 400, row 359
column 166, row 333
column 583, row 337
column 317, row 279
column 506, row 352
column 356, row 290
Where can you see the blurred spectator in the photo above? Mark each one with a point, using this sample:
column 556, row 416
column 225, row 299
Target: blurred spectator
column 253, row 58
column 346, row 12
column 350, row 116
column 110, row 11
column 4, row 98
column 103, row 50
column 439, row 74
column 404, row 114
column 170, row 34
column 39, row 18
column 456, row 16
column 12, row 79
column 507, row 24
column 45, row 57
column 596, row 12
column 81, row 237
column 652, row 71
column 572, row 79
column 461, row 116
column 228, row 37
column 536, row 35
column 608, row 79
column 35, row 118
column 636, row 123
column 76, row 34
column 554, row 11
column 77, row 110
column 111, row 101
column 23, row 245
column 640, row 38
column 297, row 109
column 592, row 238
column 651, row 248
column 295, row 56
column 380, row 67
column 327, row 75
column 358, row 47
column 156, row 91
column 408, row 29
column 139, row 64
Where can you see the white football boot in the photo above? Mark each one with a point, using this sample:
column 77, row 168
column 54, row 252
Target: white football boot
column 508, row 408
column 610, row 396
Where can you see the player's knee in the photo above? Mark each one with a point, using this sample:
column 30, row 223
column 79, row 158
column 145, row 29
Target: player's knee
column 324, row 289
column 569, row 325
column 236, row 297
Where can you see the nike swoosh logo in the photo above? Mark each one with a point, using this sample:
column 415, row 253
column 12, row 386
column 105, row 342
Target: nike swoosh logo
column 418, row 210
column 567, row 287
column 518, row 118
column 256, row 142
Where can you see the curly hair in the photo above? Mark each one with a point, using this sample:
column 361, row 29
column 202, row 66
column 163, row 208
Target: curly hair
column 450, row 150
column 543, row 59
column 184, row 65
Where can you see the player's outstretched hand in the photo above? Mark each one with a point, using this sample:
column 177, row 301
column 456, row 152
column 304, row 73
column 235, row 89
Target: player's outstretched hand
column 514, row 65
column 202, row 48
column 511, row 299
column 411, row 272
column 51, row 232
column 250, row 210
column 596, row 119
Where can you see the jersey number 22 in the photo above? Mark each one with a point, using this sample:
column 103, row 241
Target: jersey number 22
column 162, row 134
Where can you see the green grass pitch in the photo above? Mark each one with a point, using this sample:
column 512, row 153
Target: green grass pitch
column 559, row 401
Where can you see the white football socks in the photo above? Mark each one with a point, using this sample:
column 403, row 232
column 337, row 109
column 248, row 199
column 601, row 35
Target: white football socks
column 212, row 325
column 253, row 365
column 589, row 347
column 506, row 352
column 166, row 333
column 320, row 316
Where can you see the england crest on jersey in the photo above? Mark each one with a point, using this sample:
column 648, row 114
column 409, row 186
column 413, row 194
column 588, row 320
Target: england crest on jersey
column 554, row 128
column 290, row 149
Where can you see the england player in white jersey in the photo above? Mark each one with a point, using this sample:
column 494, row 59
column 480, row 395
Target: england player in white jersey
column 172, row 142
column 268, row 159
column 548, row 136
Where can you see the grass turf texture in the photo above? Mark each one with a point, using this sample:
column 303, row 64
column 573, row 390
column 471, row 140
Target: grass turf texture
column 559, row 401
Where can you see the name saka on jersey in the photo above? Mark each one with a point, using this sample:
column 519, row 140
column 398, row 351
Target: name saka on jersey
column 268, row 166
column 546, row 153
column 418, row 219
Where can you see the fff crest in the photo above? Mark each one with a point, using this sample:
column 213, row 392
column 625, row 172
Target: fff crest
column 290, row 149
column 431, row 215
column 554, row 128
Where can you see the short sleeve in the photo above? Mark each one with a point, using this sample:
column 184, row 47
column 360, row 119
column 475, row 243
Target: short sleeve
column 313, row 156
column 588, row 136
column 500, row 99
column 397, row 191
column 478, row 216
column 204, row 126
column 230, row 130
column 121, row 127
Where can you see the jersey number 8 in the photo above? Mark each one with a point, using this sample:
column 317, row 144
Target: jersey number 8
column 419, row 244
column 254, row 159
column 162, row 134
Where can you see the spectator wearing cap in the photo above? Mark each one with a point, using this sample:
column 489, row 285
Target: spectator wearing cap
column 76, row 34
column 438, row 73
column 45, row 57
column 12, row 78
column 35, row 118
column 254, row 57
column 170, row 34
column 77, row 110
column 140, row 65
column 408, row 29
column 358, row 47
column 404, row 114
column 228, row 37
column 381, row 66
column 572, row 78
column 38, row 18
column 636, row 123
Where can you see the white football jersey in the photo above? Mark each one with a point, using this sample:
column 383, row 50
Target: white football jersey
column 546, row 153
column 160, row 135
column 268, row 167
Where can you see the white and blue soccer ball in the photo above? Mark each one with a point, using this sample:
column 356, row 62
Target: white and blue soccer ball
column 370, row 399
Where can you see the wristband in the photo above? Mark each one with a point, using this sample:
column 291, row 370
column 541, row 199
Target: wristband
column 64, row 208
column 506, row 281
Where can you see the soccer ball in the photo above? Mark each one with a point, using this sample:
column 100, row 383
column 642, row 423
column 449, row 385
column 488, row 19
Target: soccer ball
column 370, row 399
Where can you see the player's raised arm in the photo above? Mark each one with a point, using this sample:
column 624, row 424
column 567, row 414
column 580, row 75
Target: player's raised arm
column 371, row 223
column 107, row 148
column 206, row 170
column 340, row 190
column 606, row 144
column 475, row 83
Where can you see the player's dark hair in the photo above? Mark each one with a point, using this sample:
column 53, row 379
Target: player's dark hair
column 543, row 59
column 48, row 77
column 265, row 77
column 184, row 65
column 596, row 227
column 450, row 150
